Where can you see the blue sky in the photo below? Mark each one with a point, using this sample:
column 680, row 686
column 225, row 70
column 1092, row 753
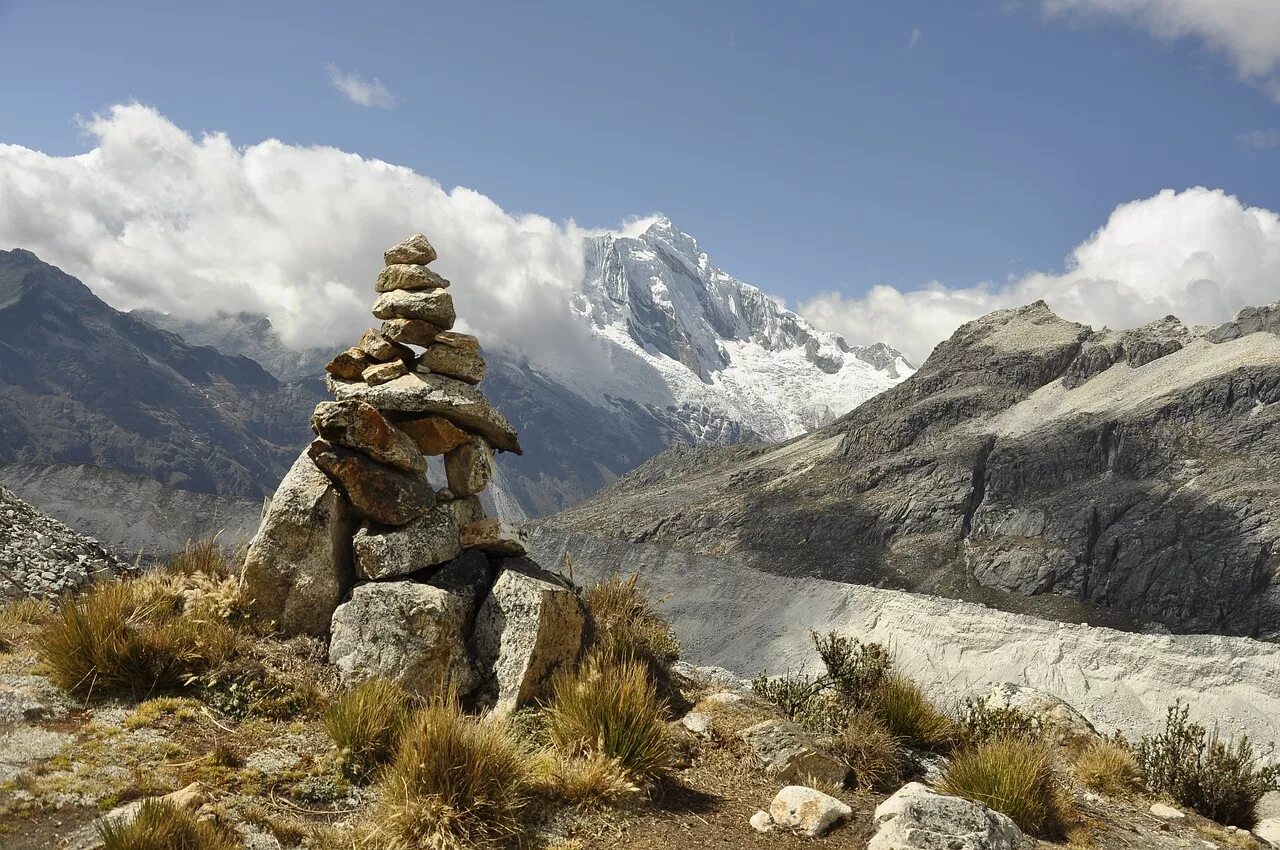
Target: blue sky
column 809, row 146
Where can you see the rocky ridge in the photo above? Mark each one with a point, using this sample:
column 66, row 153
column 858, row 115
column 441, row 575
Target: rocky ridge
column 406, row 581
column 1032, row 464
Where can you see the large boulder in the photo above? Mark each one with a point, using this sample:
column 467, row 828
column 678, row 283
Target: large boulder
column 390, row 551
column 1268, row 830
column 917, row 818
column 529, row 627
column 298, row 567
column 1053, row 714
column 417, row 392
column 788, row 753
column 360, row 426
column 378, row 492
column 469, row 576
column 406, row 631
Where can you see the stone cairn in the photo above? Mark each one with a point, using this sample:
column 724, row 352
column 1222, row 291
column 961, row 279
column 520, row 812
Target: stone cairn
column 408, row 582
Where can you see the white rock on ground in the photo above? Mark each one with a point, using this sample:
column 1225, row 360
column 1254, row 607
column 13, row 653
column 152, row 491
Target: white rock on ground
column 761, row 821
column 788, row 753
column 1166, row 812
column 528, row 628
column 808, row 810
column 412, row 633
column 697, row 723
column 1268, row 830
column 299, row 566
column 917, row 818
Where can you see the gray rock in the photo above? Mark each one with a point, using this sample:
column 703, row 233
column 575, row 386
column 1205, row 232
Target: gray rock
column 1268, row 830
column 378, row 347
column 298, row 566
column 529, row 627
column 378, row 492
column 408, row 276
column 360, row 426
column 469, row 467
column 1053, row 714
column 808, row 810
column 432, row 305
column 380, row 373
column 405, row 631
column 407, row 332
column 788, row 753
column 916, row 818
column 389, row 551
column 1167, row 812
column 416, row 249
column 468, row 576
column 495, row 536
column 460, row 403
column 453, row 361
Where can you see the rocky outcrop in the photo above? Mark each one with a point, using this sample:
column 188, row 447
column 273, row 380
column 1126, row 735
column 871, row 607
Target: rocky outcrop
column 410, row 583
column 42, row 558
column 787, row 752
column 1130, row 479
column 917, row 818
column 1055, row 717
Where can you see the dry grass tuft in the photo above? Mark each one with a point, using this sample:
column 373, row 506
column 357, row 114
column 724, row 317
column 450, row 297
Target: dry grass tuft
column 911, row 716
column 201, row 557
column 130, row 636
column 365, row 724
column 593, row 779
column 455, row 782
column 1014, row 776
column 611, row 708
column 627, row 627
column 872, row 753
column 17, row 616
column 164, row 826
column 1108, row 767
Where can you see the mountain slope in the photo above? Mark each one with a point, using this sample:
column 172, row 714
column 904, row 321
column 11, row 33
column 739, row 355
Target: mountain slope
column 1031, row 463
column 84, row 383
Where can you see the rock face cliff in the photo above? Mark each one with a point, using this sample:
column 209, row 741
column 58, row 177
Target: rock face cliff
column 1125, row 478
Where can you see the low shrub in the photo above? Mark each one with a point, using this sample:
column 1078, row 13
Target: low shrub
column 912, row 717
column 163, row 826
column 130, row 636
column 1221, row 779
column 1109, row 767
column 854, row 673
column 870, row 751
column 855, row 669
column 611, row 708
column 1014, row 776
column 980, row 722
column 365, row 723
column 455, row 782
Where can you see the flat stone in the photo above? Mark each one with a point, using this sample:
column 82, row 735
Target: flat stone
column 918, row 818
column 1166, row 812
column 298, row 566
column 408, row 276
column 432, row 305
column 350, row 364
column 378, row 492
column 528, row 628
column 495, row 536
column 697, row 723
column 454, row 362
column 382, row 349
column 434, row 435
column 389, row 551
column 380, row 373
column 416, row 249
column 466, row 342
column 405, row 631
column 410, row 331
column 189, row 798
column 1268, row 830
column 788, row 752
column 469, row 467
column 360, row 426
column 459, row 402
column 808, row 810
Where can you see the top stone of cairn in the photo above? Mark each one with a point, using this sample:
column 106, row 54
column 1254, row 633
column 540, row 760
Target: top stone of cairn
column 416, row 250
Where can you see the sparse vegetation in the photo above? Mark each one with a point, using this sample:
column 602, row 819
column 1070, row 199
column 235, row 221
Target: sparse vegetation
column 456, row 781
column 1221, row 779
column 871, row 752
column 854, row 673
column 17, row 615
column 365, row 724
column 1108, row 766
column 587, row 780
column 912, row 717
column 980, row 722
column 201, row 557
column 163, row 826
column 130, row 636
column 611, row 708
column 1014, row 776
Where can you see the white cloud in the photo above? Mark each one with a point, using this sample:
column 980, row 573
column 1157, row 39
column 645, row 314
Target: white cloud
column 916, row 37
column 151, row 217
column 1199, row 254
column 1247, row 31
column 362, row 92
column 1260, row 139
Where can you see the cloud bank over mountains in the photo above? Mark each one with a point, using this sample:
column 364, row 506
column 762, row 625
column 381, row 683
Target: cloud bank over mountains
column 153, row 217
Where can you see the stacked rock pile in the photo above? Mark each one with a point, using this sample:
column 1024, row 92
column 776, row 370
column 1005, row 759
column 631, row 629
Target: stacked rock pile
column 40, row 557
column 406, row 581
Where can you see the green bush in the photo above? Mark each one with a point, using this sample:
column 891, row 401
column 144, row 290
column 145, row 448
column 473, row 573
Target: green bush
column 163, row 826
column 365, row 723
column 980, row 722
column 612, row 709
column 1109, row 767
column 854, row 673
column 910, row 715
column 1220, row 779
column 1014, row 776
